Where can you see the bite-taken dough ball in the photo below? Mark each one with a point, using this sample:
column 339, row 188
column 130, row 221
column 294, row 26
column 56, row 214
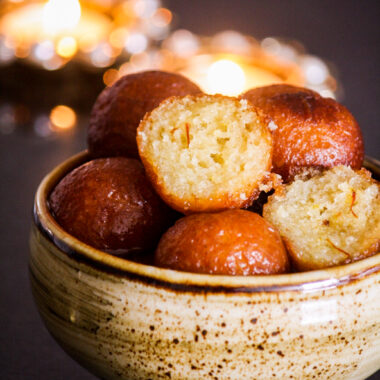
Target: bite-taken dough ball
column 206, row 152
column 109, row 204
column 309, row 131
column 232, row 242
column 330, row 219
column 119, row 109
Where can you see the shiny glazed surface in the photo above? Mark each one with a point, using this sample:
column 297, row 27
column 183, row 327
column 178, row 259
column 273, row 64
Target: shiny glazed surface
column 124, row 320
column 233, row 242
column 119, row 109
column 311, row 131
column 109, row 204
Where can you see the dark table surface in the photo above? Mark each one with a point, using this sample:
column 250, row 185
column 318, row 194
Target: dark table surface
column 343, row 32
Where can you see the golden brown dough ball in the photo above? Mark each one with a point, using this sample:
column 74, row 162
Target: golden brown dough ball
column 109, row 204
column 233, row 242
column 119, row 109
column 309, row 131
column 330, row 219
column 206, row 152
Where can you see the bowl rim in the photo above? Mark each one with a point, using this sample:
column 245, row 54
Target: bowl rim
column 314, row 280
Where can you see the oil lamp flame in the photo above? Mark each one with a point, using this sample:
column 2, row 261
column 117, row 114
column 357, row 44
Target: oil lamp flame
column 61, row 16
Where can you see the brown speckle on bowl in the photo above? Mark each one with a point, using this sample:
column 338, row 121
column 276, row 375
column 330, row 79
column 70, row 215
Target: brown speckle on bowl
column 124, row 320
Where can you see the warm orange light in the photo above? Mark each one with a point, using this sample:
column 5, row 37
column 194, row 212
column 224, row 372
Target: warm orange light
column 110, row 77
column 63, row 117
column 61, row 15
column 162, row 17
column 117, row 37
column 139, row 60
column 22, row 51
column 67, row 47
column 87, row 42
column 225, row 77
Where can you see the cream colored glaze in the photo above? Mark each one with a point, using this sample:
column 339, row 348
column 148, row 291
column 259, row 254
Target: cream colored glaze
column 124, row 328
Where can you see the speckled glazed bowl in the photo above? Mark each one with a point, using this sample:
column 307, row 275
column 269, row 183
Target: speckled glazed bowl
column 124, row 320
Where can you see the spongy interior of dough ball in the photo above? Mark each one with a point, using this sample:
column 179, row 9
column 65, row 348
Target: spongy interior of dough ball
column 330, row 219
column 206, row 146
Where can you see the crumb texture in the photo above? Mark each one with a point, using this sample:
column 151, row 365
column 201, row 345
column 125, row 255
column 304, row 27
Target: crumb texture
column 330, row 219
column 206, row 148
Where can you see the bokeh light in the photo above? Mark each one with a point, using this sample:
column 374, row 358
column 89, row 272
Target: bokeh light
column 110, row 77
column 225, row 77
column 61, row 15
column 67, row 47
column 63, row 117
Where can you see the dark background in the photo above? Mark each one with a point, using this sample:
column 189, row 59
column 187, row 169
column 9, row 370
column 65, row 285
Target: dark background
column 345, row 33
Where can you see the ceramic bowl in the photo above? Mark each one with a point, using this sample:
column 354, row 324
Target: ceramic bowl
column 124, row 320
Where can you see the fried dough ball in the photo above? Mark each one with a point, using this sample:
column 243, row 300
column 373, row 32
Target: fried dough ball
column 260, row 95
column 309, row 131
column 329, row 219
column 119, row 109
column 206, row 152
column 109, row 204
column 232, row 242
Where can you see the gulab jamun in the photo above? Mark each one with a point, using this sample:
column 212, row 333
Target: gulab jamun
column 109, row 204
column 329, row 219
column 206, row 153
column 119, row 109
column 232, row 242
column 309, row 131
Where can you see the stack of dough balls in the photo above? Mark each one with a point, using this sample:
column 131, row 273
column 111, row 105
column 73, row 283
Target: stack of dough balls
column 109, row 203
column 205, row 154
column 206, row 157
